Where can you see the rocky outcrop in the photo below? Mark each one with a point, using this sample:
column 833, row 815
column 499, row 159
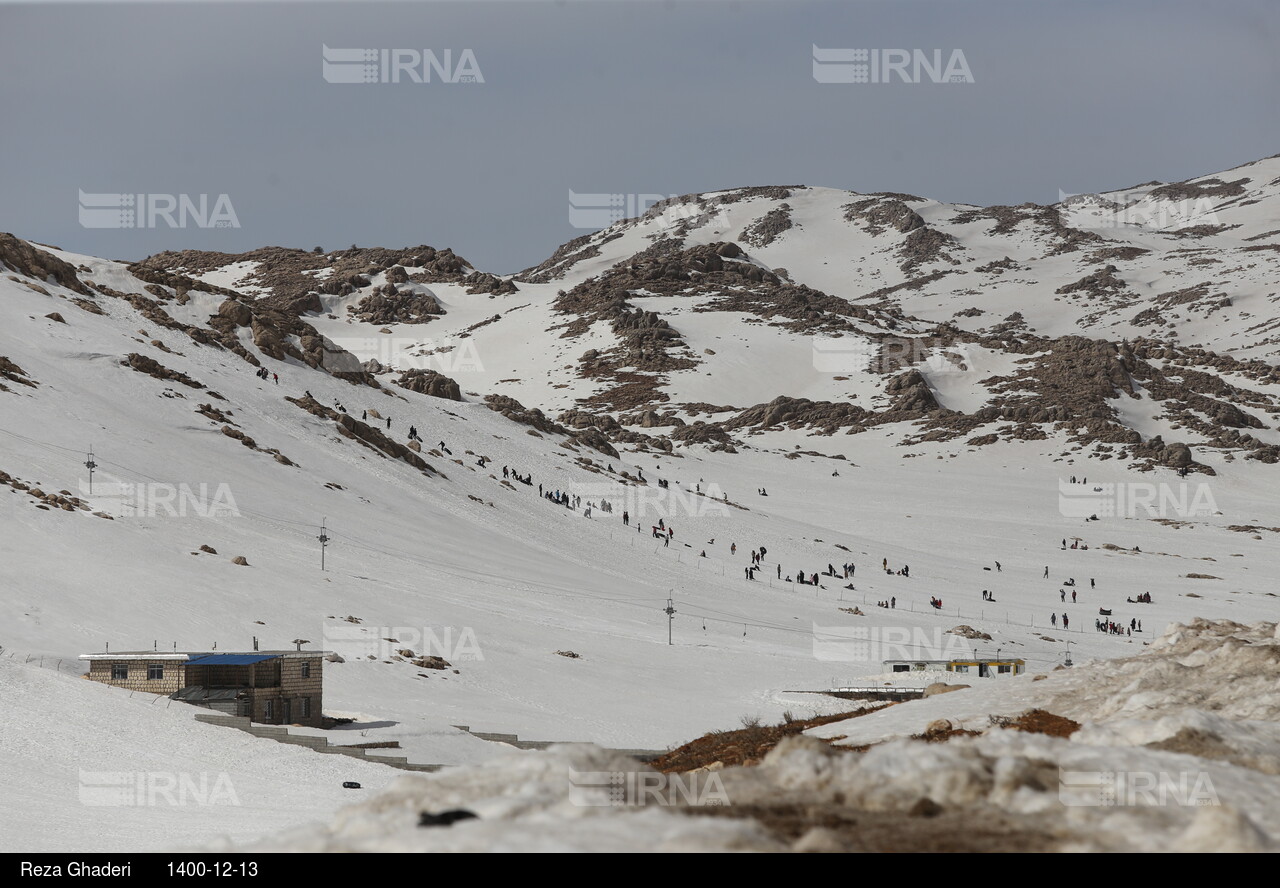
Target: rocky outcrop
column 587, row 435
column 154, row 368
column 878, row 215
column 1173, row 456
column 12, row 372
column 292, row 279
column 482, row 282
column 1101, row 283
column 389, row 305
column 29, row 261
column 350, row 427
column 769, row 227
column 273, row 331
column 797, row 413
column 911, row 395
column 431, row 383
column 530, row 416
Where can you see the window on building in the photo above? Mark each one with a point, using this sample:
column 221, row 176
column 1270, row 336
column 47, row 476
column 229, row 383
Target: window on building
column 901, row 667
column 269, row 709
column 306, row 669
column 306, row 707
column 155, row 671
column 119, row 672
column 1004, row 668
column 961, row 667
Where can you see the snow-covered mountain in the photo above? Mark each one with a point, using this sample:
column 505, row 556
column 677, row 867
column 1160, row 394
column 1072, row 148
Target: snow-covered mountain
column 875, row 380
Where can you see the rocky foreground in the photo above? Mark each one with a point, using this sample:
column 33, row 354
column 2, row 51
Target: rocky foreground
column 1175, row 749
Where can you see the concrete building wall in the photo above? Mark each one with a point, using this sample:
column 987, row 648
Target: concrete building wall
column 298, row 699
column 172, row 675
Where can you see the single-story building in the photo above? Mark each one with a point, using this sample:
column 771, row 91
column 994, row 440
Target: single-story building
column 270, row 687
column 982, row 668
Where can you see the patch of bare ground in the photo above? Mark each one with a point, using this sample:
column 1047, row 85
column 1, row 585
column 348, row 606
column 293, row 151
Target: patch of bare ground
column 746, row 746
column 1038, row 721
column 835, row 828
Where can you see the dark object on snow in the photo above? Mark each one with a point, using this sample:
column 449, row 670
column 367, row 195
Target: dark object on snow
column 1104, row 612
column 351, row 784
column 445, row 818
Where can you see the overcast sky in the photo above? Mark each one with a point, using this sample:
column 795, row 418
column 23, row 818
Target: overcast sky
column 640, row 98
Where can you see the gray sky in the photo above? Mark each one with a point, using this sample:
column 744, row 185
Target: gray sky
column 601, row 97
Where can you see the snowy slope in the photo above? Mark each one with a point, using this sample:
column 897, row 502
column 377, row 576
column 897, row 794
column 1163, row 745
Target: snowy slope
column 454, row 562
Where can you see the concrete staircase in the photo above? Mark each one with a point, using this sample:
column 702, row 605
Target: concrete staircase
column 318, row 744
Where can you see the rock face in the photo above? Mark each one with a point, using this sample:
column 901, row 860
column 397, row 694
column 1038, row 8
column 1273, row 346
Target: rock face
column 350, row 427
column 1173, row 456
column 911, row 394
column 796, row 413
column 588, row 436
column 292, row 278
column 389, row 305
column 483, row 282
column 273, row 328
column 12, row 372
column 29, row 261
column 877, row 215
column 429, row 382
column 151, row 367
column 769, row 227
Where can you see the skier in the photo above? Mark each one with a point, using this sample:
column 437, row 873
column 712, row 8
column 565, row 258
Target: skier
column 1053, row 618
column 626, row 518
column 1073, row 596
column 388, row 422
column 1046, row 571
column 1065, row 621
column 997, row 567
column 733, row 548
